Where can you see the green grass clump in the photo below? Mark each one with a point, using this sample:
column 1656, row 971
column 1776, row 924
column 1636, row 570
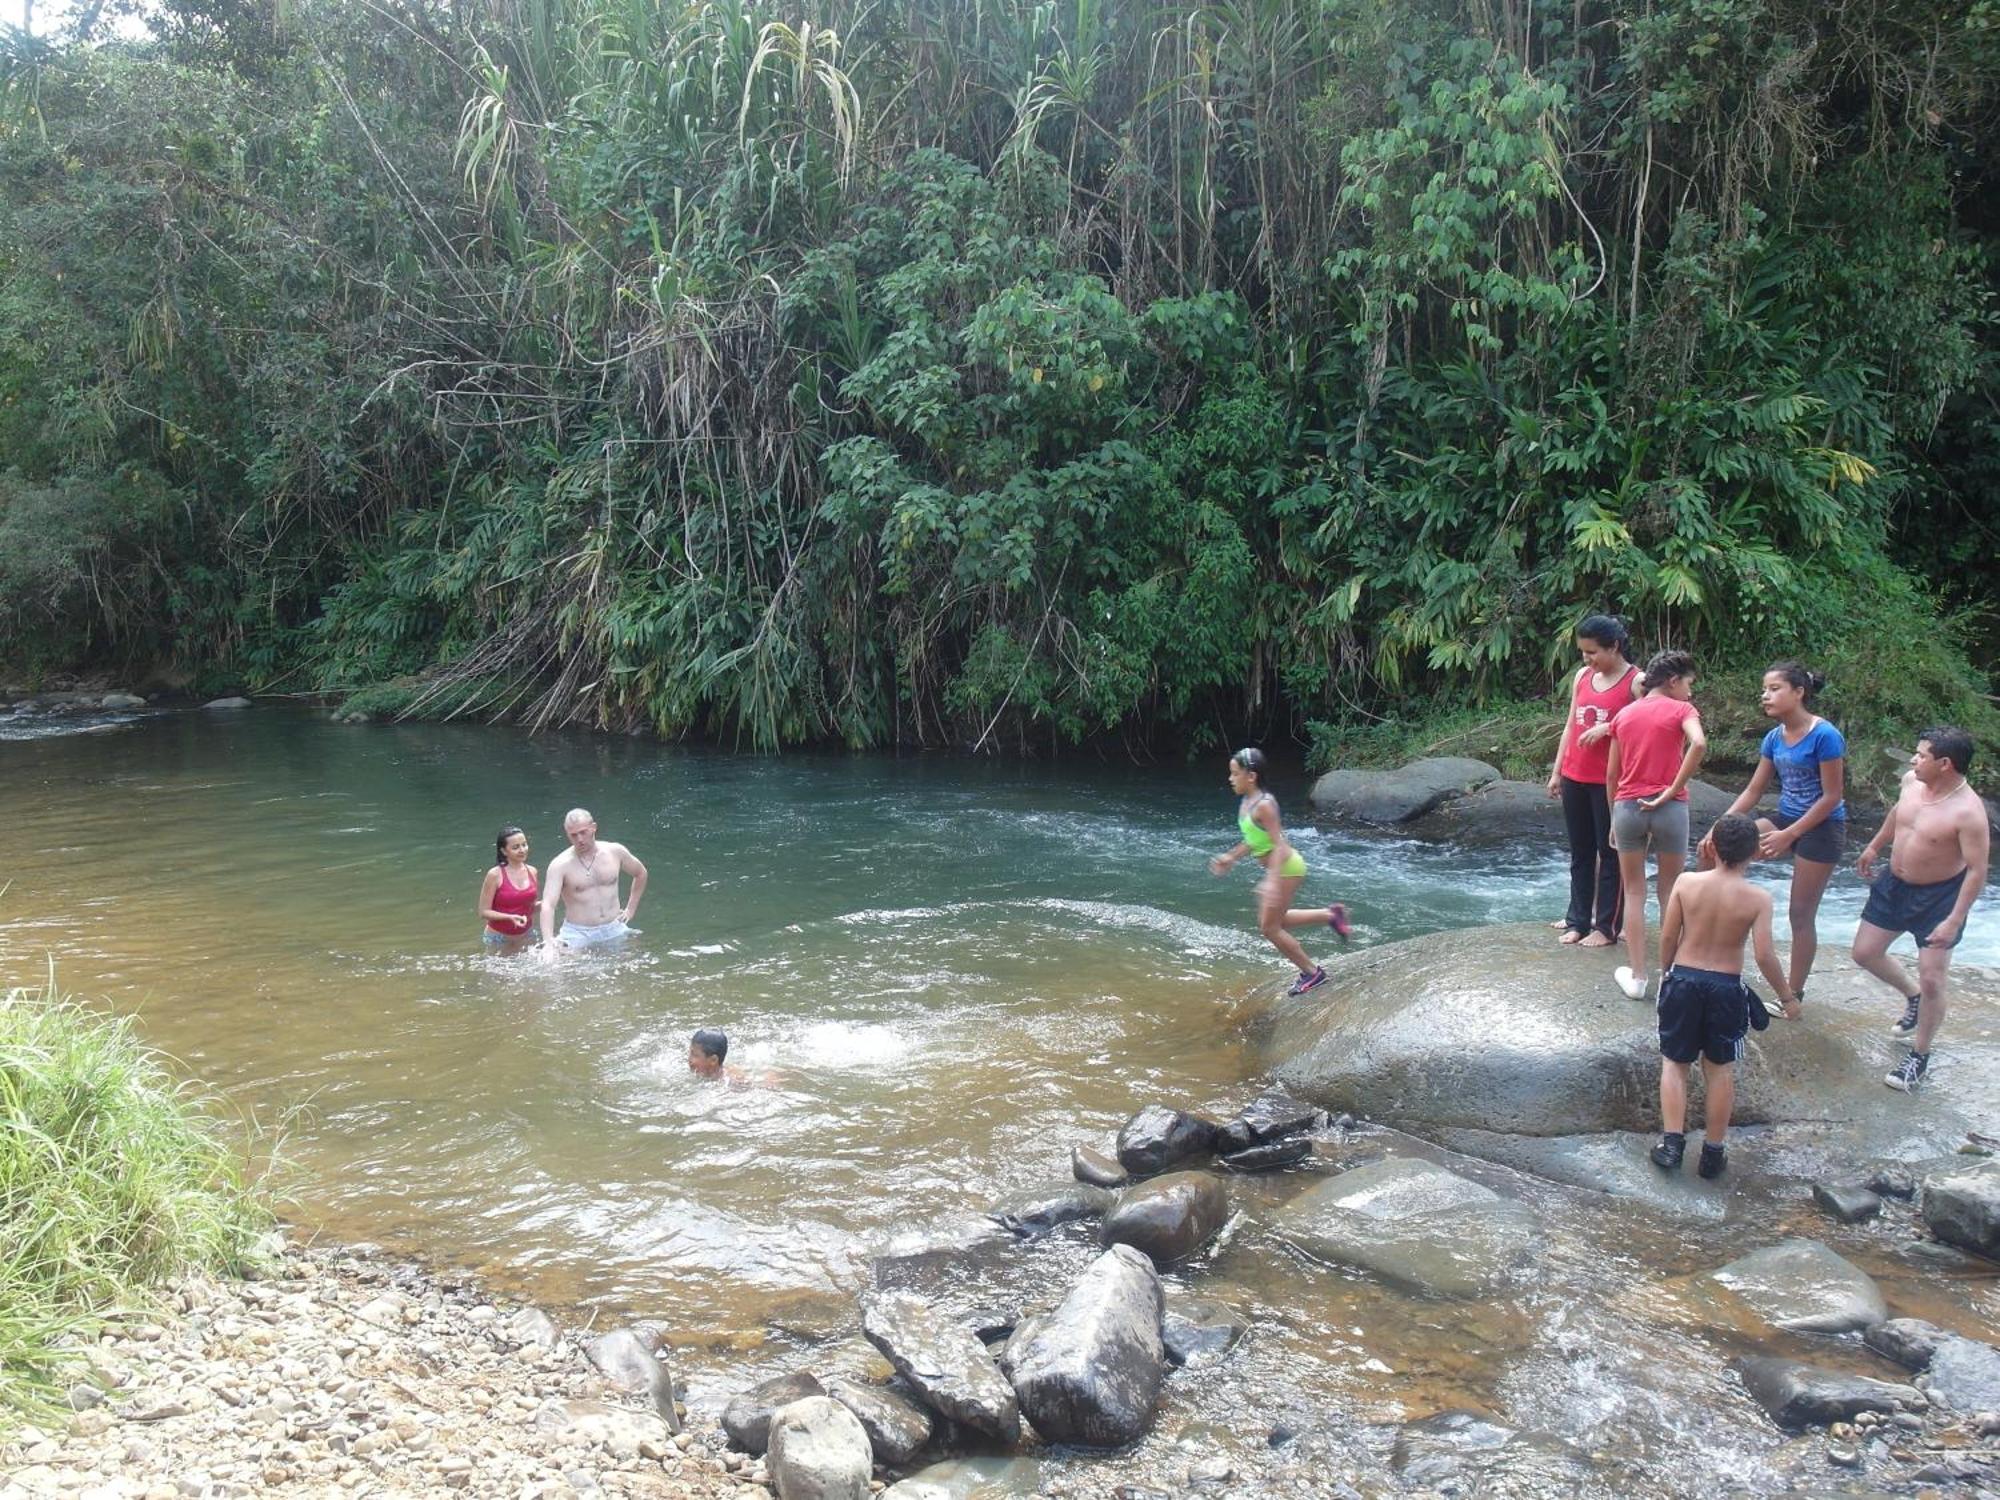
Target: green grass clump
column 114, row 1177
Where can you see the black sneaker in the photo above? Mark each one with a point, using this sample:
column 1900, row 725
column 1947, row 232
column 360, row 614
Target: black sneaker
column 1667, row 1155
column 1713, row 1159
column 1908, row 1023
column 1306, row 982
column 1910, row 1073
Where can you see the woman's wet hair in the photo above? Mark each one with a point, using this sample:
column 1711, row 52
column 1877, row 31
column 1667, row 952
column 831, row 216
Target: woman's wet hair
column 712, row 1041
column 1666, row 666
column 1809, row 683
column 1606, row 630
column 500, row 843
column 1735, row 839
column 1251, row 759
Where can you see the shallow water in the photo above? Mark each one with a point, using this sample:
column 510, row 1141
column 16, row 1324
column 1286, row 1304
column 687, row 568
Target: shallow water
column 955, row 970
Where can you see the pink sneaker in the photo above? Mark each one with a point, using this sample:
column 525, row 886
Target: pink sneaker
column 1336, row 918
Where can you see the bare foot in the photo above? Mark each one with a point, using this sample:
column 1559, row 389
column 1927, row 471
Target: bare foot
column 1595, row 940
column 1570, row 938
column 1559, row 923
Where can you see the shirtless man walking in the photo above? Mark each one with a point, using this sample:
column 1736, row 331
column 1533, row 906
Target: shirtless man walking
column 1937, row 867
column 584, row 878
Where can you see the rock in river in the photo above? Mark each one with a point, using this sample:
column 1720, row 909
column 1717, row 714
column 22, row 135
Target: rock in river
column 1416, row 1226
column 1197, row 1331
column 1397, row 796
column 747, row 1417
column 1091, row 1374
column 946, row 1366
column 897, row 1429
column 1801, row 1395
column 970, row 1479
column 819, row 1452
column 1095, row 1169
column 1803, row 1286
column 1269, row 1117
column 1168, row 1218
column 1962, row 1207
column 626, row 1359
column 1964, row 1374
column 1038, row 1213
column 1268, row 1157
column 1157, row 1137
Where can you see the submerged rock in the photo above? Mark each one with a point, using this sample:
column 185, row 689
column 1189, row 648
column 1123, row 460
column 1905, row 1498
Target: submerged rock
column 819, row 1452
column 1037, row 1214
column 947, row 1367
column 897, row 1429
column 970, row 1479
column 1909, row 1342
column 1803, row 1286
column 1268, row 1157
column 629, row 1363
column 1849, row 1202
column 227, row 703
column 1397, row 796
column 1271, row 1116
column 1095, row 1169
column 1417, row 1226
column 1199, row 1331
column 1962, row 1207
column 1802, row 1395
column 1157, row 1137
column 1091, row 1373
column 747, row 1418
column 1169, row 1218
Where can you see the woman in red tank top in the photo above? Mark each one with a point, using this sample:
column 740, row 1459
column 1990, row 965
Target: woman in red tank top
column 507, row 895
column 1603, row 687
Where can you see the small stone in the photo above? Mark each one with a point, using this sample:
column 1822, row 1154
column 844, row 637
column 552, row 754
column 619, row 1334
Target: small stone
column 1848, row 1202
column 1844, row 1454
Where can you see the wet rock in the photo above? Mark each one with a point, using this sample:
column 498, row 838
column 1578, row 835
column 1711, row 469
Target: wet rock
column 1909, row 1342
column 227, row 703
column 1271, row 1116
column 970, row 1479
column 747, row 1418
column 948, row 1368
column 1964, row 1374
column 1037, row 1214
column 533, row 1328
column 1400, row 795
column 1269, row 1157
column 1017, row 1341
column 1803, row 1286
column 897, row 1429
column 1157, row 1137
column 1438, row 1448
column 1463, row 1453
column 1198, row 1331
column 1802, row 1395
column 1169, row 1218
column 1892, row 1182
column 819, row 1451
column 1091, row 1374
column 1095, row 1169
column 985, row 1284
column 626, row 1359
column 1849, row 1202
column 1416, row 1226
column 1962, row 1207
column 122, row 702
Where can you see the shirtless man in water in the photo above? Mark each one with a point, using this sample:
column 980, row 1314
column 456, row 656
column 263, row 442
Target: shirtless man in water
column 1938, row 842
column 584, row 878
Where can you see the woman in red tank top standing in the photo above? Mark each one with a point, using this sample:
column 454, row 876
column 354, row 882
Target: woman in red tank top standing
column 507, row 895
column 1604, row 686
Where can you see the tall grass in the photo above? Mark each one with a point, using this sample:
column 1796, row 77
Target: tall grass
column 114, row 1177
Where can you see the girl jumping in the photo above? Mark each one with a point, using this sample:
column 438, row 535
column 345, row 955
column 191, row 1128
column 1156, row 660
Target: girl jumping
column 1264, row 841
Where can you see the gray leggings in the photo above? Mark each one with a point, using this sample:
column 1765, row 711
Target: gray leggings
column 1666, row 826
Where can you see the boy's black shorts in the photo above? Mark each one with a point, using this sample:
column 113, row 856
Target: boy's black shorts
column 1703, row 1012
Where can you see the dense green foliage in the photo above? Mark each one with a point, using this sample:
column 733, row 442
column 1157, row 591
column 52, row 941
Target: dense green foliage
column 113, row 1178
column 988, row 371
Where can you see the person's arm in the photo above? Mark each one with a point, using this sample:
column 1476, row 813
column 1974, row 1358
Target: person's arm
column 630, row 864
column 551, row 894
column 1612, row 766
column 1670, row 930
column 1767, row 957
column 1885, row 836
column 1563, row 739
column 1222, row 863
column 1760, row 783
column 1974, row 847
column 486, row 889
column 1690, row 763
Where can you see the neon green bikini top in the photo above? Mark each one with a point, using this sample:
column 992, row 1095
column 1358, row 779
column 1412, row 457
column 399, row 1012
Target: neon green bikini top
column 1254, row 837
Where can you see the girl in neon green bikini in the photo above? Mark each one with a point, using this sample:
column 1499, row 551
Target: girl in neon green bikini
column 1264, row 841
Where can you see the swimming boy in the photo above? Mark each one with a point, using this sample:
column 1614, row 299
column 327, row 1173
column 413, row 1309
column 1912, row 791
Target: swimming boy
column 706, row 1050
column 1704, row 1006
column 1937, row 867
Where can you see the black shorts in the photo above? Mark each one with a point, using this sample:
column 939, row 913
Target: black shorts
column 1702, row 1011
column 1825, row 841
column 1899, row 906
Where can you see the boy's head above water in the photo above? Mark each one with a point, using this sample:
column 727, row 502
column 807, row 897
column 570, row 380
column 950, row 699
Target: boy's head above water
column 1735, row 840
column 706, row 1050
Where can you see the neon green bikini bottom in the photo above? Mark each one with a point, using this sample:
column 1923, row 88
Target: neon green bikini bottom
column 1293, row 868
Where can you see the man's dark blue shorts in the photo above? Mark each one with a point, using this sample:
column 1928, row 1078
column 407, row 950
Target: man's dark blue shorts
column 1899, row 906
column 1702, row 1013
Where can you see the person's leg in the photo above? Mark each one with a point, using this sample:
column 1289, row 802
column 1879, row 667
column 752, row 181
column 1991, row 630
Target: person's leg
column 1580, row 827
column 1809, row 878
column 1719, row 1089
column 1274, row 898
column 1632, row 875
column 1871, row 952
column 1673, row 1096
column 1608, row 904
column 1670, row 848
column 1933, row 964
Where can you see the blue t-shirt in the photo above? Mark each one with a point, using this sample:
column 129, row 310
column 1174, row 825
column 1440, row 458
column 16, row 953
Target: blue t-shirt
column 1798, row 767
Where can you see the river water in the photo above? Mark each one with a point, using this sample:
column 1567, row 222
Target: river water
column 953, row 971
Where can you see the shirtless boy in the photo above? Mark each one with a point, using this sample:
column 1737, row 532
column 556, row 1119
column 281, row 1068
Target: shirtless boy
column 1938, row 844
column 1704, row 1007
column 584, row 878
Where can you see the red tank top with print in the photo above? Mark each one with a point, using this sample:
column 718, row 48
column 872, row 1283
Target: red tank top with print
column 515, row 901
column 1588, row 708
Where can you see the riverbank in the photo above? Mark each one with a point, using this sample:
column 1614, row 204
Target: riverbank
column 343, row 1371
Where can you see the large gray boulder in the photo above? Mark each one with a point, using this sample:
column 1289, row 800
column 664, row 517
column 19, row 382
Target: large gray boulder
column 1418, row 1227
column 627, row 1360
column 897, row 1429
column 1158, row 1137
column 1803, row 1286
column 1091, row 1374
column 1400, row 795
column 971, row 1479
column 818, row 1452
column 1965, row 1374
column 1168, row 1218
column 1962, row 1207
column 1802, row 1395
column 1523, row 812
column 947, row 1367
column 746, row 1420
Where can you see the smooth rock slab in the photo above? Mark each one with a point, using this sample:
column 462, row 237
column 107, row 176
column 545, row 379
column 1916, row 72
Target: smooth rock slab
column 948, row 1368
column 1397, row 796
column 897, row 1429
column 1168, row 1218
column 1962, row 1207
column 1095, row 1169
column 627, row 1361
column 1964, row 1374
column 1197, row 1331
column 1157, row 1137
column 1417, row 1226
column 747, row 1418
column 819, row 1451
column 1091, row 1373
column 1801, row 1395
column 1037, row 1214
column 970, row 1479
column 1849, row 1202
column 1803, row 1286
column 1271, row 1116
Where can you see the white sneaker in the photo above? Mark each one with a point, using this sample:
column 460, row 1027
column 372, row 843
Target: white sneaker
column 1633, row 985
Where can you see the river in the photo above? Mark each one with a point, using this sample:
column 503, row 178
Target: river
column 955, row 970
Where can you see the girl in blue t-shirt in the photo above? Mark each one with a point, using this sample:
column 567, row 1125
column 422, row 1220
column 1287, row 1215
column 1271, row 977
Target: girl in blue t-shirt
column 1808, row 758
